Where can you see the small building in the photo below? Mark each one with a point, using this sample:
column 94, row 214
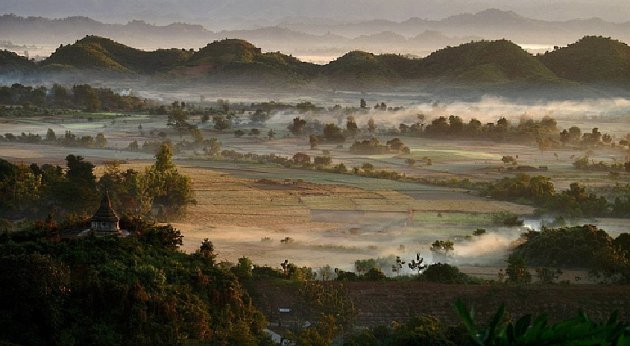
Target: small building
column 105, row 221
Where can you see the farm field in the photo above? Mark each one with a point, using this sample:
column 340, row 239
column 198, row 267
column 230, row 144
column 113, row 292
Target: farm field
column 380, row 303
column 322, row 218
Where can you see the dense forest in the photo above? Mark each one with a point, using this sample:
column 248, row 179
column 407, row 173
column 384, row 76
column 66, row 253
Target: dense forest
column 119, row 291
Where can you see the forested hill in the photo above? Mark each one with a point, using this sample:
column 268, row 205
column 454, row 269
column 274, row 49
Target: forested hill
column 591, row 60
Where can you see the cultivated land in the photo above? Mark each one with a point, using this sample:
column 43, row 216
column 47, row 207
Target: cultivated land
column 246, row 209
column 380, row 303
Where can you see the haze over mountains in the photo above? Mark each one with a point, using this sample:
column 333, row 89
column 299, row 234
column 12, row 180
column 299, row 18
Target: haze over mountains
column 233, row 14
column 592, row 63
column 322, row 39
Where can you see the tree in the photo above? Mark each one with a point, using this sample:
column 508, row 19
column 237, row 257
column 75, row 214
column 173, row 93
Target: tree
column 297, row 126
column 398, row 265
column 271, row 134
column 326, row 273
column 206, row 250
column 351, row 126
column 164, row 158
column 332, row 133
column 371, row 126
column 313, row 141
column 100, row 140
column 50, row 136
column 546, row 275
column 362, row 104
column 444, row 273
column 260, row 117
column 133, row 146
column 213, row 148
column 79, row 191
column 517, row 270
column 417, row 264
column 171, row 191
column 239, row 133
column 301, row 159
column 244, row 268
column 177, row 118
column 86, row 96
column 221, row 122
column 442, row 247
column 322, row 160
column 196, row 135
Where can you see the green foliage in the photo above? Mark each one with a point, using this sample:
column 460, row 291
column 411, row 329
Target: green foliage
column 485, row 61
column 119, row 291
column 171, row 191
column 243, row 270
column 444, row 273
column 442, row 247
column 94, row 52
column 590, row 248
column 419, row 330
column 327, row 299
column 577, row 331
column 547, row 276
column 539, row 190
column 516, row 270
column 591, row 59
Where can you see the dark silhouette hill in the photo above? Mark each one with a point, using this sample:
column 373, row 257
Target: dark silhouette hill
column 478, row 64
column 485, row 62
column 94, row 52
column 592, row 59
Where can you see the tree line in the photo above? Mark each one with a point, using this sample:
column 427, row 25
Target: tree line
column 36, row 191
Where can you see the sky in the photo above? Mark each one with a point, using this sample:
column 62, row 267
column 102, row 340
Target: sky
column 209, row 12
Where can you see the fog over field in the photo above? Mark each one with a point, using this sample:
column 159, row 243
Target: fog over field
column 314, row 172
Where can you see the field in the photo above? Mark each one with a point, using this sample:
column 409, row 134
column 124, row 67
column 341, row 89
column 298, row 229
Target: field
column 380, row 303
column 246, row 209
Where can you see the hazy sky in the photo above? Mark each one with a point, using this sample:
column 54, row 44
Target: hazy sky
column 208, row 12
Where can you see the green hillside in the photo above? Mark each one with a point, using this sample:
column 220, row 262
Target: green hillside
column 482, row 63
column 592, row 59
column 238, row 58
column 485, row 62
column 93, row 52
column 11, row 62
column 359, row 68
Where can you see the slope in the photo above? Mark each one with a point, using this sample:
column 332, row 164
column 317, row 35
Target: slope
column 485, row 62
column 592, row 59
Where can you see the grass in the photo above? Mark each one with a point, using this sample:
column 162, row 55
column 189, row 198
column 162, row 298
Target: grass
column 464, row 219
column 453, row 154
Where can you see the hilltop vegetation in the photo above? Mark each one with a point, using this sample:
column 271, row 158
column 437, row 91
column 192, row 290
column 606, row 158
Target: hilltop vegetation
column 237, row 58
column 10, row 61
column 119, row 291
column 592, row 59
column 500, row 62
column 485, row 61
column 93, row 52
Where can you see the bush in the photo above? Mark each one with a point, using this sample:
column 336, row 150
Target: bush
column 444, row 273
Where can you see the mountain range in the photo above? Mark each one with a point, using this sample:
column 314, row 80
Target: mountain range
column 302, row 36
column 593, row 60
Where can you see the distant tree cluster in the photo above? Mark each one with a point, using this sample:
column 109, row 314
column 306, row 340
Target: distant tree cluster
column 69, row 139
column 372, row 146
column 81, row 96
column 574, row 202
